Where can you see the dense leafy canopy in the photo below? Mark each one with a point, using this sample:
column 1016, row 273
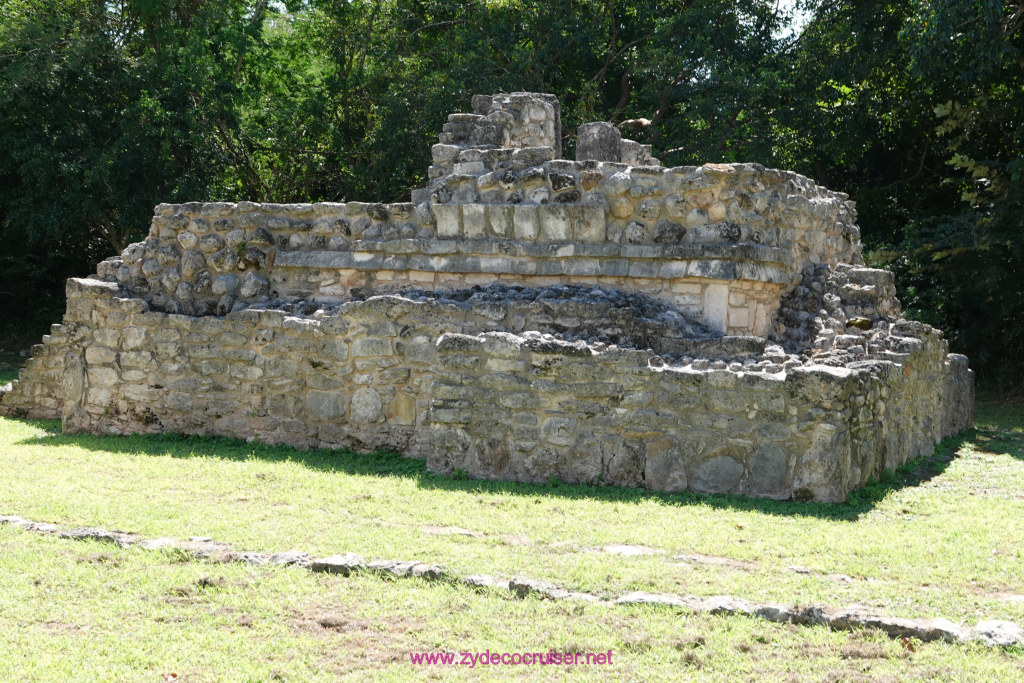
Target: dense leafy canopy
column 912, row 106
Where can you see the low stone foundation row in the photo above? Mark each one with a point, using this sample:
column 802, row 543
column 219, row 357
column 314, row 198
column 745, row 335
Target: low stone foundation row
column 424, row 378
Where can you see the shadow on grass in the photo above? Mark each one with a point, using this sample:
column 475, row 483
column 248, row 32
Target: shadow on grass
column 384, row 463
column 1000, row 426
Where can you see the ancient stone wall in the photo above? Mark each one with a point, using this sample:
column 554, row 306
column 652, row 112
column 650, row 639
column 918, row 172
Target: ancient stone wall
column 535, row 409
column 217, row 257
column 524, row 317
column 421, row 377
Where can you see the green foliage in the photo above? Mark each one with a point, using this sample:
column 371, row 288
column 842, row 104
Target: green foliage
column 105, row 110
column 971, row 57
column 912, row 107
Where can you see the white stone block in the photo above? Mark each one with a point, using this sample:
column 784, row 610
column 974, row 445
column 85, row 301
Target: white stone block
column 716, row 306
column 499, row 220
column 526, row 224
column 739, row 317
column 473, row 221
column 555, row 225
column 447, row 217
column 588, row 223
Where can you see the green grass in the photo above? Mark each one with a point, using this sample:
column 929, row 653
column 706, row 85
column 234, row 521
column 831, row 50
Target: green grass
column 80, row 610
column 939, row 538
column 945, row 546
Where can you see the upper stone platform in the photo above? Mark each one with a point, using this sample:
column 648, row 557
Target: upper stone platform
column 721, row 242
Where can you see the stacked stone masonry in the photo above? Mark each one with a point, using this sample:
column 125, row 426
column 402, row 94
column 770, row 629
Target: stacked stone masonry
column 524, row 317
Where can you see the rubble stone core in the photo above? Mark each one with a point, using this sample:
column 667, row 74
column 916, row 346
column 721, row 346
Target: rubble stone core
column 526, row 317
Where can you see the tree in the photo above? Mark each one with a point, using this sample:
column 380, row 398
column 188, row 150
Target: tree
column 105, row 110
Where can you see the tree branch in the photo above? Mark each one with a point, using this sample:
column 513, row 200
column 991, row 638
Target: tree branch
column 920, row 167
column 625, row 93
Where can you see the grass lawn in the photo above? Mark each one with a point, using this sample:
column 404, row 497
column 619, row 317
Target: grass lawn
column 940, row 538
column 80, row 610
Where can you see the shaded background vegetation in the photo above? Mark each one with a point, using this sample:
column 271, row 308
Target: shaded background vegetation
column 913, row 107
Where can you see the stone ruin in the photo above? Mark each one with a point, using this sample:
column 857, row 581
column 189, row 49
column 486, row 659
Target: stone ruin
column 524, row 317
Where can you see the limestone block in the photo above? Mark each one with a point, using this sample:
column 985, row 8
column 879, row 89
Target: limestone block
column 371, row 347
column 489, row 264
column 615, row 267
column 138, row 359
column 539, row 195
column 487, row 181
column 739, row 317
column 402, row 410
column 500, row 220
column 768, row 473
column 252, row 258
column 618, row 184
column 622, row 208
column 168, row 254
column 644, row 269
column 717, row 474
column 253, row 285
column 133, row 253
column 649, row 209
column 671, row 270
column 365, row 405
column 665, row 466
column 447, row 219
column 133, row 338
column 151, row 268
column 598, row 141
column 636, row 232
column 555, row 224
column 473, row 220
column 667, row 232
column 102, row 377
column 100, row 355
column 183, row 292
column 211, row 243
column 675, row 207
column 225, row 284
column 224, row 260
column 325, row 405
column 623, row 462
column 469, row 168
column 192, row 263
column 588, row 223
column 99, row 397
column 589, row 180
column 561, row 181
column 187, row 239
column 582, row 267
column 716, row 306
column 170, row 278
column 444, row 153
column 526, row 223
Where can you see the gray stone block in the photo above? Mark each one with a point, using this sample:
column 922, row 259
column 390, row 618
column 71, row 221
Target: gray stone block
column 598, row 141
column 447, row 219
column 526, row 223
column 555, row 224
